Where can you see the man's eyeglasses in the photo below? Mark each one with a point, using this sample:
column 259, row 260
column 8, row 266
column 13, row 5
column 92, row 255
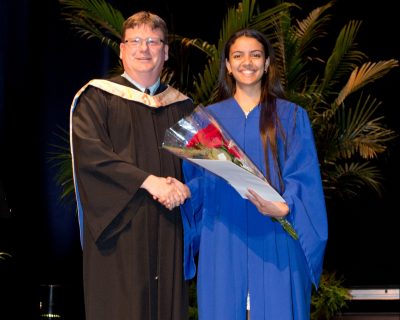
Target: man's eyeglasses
column 150, row 42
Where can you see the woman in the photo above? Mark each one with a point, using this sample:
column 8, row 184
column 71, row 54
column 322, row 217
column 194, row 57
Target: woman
column 246, row 259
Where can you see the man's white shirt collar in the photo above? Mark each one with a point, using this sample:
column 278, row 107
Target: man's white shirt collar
column 152, row 88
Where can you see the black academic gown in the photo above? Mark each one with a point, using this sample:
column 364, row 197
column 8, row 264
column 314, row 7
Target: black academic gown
column 132, row 245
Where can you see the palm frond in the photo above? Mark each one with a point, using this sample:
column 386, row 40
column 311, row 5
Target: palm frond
column 344, row 58
column 294, row 42
column 354, row 132
column 4, row 255
column 367, row 73
column 95, row 18
column 266, row 21
column 349, row 179
column 361, row 133
column 205, row 84
column 61, row 159
column 311, row 28
column 235, row 19
column 208, row 49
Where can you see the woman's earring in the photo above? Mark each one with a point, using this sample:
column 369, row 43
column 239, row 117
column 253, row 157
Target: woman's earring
column 266, row 65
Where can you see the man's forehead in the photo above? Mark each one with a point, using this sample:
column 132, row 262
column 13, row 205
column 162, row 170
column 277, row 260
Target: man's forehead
column 144, row 27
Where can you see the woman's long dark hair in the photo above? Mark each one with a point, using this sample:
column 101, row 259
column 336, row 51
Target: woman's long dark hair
column 271, row 89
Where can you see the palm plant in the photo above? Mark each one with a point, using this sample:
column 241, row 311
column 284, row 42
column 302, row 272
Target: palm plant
column 348, row 131
column 330, row 299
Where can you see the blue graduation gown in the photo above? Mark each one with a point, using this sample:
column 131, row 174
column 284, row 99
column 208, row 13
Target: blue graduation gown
column 240, row 250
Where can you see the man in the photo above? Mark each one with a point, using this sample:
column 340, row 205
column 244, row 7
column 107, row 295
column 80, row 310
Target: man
column 130, row 222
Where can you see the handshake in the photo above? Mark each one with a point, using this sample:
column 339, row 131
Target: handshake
column 169, row 191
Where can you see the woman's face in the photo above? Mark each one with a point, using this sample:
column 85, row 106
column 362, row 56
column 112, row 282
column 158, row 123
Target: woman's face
column 246, row 61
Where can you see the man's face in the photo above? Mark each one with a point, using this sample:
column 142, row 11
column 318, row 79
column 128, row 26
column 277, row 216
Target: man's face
column 143, row 52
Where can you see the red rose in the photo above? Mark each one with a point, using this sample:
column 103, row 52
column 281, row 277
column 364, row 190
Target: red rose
column 234, row 151
column 209, row 137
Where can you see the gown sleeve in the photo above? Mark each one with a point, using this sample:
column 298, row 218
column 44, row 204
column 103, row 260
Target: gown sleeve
column 304, row 194
column 191, row 212
column 105, row 184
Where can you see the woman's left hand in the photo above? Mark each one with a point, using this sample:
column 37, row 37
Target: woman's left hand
column 273, row 209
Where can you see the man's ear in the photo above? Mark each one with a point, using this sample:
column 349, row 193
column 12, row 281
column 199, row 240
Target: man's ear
column 166, row 50
column 120, row 51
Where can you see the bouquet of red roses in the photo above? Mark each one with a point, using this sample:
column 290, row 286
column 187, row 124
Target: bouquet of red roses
column 200, row 139
column 199, row 136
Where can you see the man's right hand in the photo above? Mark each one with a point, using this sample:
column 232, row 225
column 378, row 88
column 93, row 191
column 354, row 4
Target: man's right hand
column 168, row 191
